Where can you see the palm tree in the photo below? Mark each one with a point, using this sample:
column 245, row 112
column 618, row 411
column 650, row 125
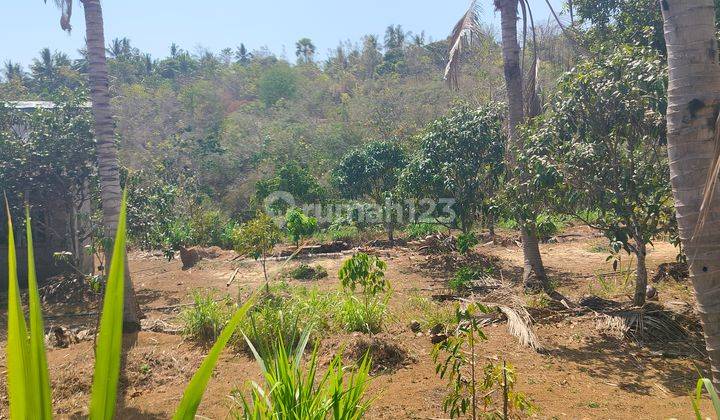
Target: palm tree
column 693, row 136
column 304, row 50
column 465, row 32
column 242, row 55
column 13, row 71
column 104, row 132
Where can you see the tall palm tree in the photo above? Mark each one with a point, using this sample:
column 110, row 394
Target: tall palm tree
column 465, row 32
column 104, row 132
column 693, row 136
column 305, row 50
column 13, row 71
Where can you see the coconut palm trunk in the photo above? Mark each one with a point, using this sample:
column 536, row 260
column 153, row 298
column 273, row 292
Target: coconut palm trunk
column 106, row 148
column 693, row 100
column 533, row 271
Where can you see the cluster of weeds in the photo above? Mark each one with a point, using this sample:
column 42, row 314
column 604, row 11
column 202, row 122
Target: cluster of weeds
column 467, row 275
column 207, row 316
column 291, row 390
column 421, row 230
column 430, row 312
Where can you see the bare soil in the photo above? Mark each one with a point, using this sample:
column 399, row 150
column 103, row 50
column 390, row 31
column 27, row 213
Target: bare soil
column 583, row 372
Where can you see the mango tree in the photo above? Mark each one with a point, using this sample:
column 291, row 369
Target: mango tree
column 601, row 146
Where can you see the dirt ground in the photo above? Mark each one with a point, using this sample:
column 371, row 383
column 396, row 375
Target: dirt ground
column 583, row 373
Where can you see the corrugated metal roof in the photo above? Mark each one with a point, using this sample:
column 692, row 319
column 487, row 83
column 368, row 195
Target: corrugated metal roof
column 28, row 105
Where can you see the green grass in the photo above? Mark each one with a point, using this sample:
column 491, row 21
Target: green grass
column 293, row 391
column 431, row 313
column 420, row 230
column 357, row 314
column 205, row 319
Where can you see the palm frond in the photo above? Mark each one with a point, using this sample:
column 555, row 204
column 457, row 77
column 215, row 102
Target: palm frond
column 710, row 186
column 465, row 32
column 65, row 7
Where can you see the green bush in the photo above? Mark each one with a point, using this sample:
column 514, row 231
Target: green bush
column 466, row 241
column 421, row 230
column 285, row 313
column 299, row 225
column 293, row 392
column 367, row 312
column 204, row 320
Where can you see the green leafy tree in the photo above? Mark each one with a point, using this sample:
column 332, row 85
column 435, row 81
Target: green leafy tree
column 256, row 239
column 601, row 146
column 299, row 225
column 372, row 171
column 278, row 82
column 293, row 179
column 460, row 157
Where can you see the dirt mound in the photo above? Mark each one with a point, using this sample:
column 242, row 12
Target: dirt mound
column 387, row 355
column 68, row 291
column 191, row 256
column 450, row 262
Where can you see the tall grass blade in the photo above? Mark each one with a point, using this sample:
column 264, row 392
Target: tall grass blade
column 38, row 363
column 109, row 341
column 196, row 388
column 704, row 382
column 19, row 374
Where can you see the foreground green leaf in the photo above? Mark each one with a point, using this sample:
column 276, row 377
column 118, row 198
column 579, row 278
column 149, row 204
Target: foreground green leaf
column 196, row 388
column 109, row 341
column 21, row 391
column 38, row 364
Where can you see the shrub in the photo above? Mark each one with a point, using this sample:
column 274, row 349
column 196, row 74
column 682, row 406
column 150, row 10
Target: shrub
column 294, row 392
column 299, row 225
column 285, row 313
column 204, row 320
column 456, row 361
column 368, row 273
column 465, row 242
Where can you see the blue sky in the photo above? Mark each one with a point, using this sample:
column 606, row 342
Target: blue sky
column 26, row 26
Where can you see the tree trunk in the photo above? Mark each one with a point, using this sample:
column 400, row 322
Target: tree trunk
column 640, row 273
column 534, row 277
column 693, row 99
column 106, row 148
column 533, row 272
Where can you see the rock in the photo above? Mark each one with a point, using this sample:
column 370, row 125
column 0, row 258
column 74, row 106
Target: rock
column 415, row 326
column 651, row 292
column 60, row 337
column 437, row 329
column 438, row 338
column 83, row 335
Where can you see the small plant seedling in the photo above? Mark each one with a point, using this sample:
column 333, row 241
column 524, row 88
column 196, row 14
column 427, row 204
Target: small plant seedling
column 456, row 361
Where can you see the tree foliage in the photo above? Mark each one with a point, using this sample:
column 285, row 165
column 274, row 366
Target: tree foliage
column 460, row 156
column 601, row 146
